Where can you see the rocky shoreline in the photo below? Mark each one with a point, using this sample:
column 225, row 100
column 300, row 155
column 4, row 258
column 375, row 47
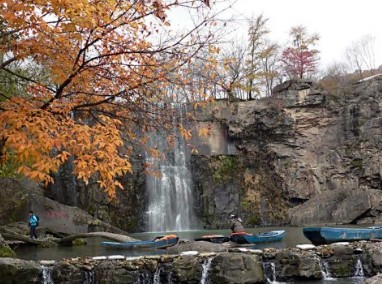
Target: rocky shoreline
column 232, row 265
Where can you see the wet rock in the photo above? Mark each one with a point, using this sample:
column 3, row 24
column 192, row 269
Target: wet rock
column 19, row 271
column 236, row 268
column 292, row 265
column 377, row 279
column 5, row 250
column 343, row 261
column 187, row 269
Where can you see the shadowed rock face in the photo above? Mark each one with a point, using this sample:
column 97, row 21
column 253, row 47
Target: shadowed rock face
column 20, row 196
column 303, row 157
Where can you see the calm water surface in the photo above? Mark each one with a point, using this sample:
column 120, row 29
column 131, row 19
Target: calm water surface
column 293, row 237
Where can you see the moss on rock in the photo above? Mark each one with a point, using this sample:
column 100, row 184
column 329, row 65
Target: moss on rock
column 6, row 251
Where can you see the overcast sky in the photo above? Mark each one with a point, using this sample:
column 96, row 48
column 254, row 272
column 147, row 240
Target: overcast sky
column 338, row 22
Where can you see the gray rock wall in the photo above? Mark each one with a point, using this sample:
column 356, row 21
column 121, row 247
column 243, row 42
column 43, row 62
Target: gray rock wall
column 303, row 156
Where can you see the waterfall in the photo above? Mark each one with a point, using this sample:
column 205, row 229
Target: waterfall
column 169, row 194
column 89, row 277
column 325, row 270
column 206, row 268
column 359, row 269
column 270, row 272
column 156, row 278
column 143, row 277
column 46, row 275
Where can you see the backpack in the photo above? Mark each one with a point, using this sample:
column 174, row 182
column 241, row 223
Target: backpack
column 38, row 220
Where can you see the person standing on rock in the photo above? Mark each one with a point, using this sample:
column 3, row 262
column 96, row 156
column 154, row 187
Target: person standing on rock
column 236, row 224
column 32, row 223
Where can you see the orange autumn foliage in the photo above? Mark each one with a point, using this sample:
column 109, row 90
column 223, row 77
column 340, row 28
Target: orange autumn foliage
column 107, row 69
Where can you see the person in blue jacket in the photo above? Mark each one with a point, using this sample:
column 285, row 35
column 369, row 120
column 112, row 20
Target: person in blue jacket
column 32, row 223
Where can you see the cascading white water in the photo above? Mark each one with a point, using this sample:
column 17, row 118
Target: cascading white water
column 156, row 278
column 46, row 275
column 270, row 272
column 89, row 277
column 206, row 268
column 325, row 270
column 359, row 269
column 170, row 198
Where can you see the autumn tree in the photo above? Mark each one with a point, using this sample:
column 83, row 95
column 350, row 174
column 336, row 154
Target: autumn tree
column 106, row 68
column 300, row 59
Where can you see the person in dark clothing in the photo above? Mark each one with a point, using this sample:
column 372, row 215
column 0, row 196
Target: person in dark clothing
column 32, row 223
column 236, row 224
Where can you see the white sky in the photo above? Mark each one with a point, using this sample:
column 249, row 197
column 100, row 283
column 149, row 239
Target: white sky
column 338, row 22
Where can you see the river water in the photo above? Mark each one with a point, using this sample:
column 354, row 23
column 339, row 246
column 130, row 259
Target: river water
column 293, row 237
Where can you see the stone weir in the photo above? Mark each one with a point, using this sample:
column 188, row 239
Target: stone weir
column 235, row 265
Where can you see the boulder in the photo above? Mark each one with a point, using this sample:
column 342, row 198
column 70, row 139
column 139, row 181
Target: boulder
column 19, row 271
column 341, row 206
column 187, row 269
column 236, row 268
column 5, row 250
column 294, row 265
column 377, row 279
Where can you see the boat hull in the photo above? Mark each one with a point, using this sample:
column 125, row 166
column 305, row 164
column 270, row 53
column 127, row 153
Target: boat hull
column 328, row 235
column 272, row 236
column 157, row 244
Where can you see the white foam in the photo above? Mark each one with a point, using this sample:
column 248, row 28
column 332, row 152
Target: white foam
column 191, row 252
column 116, row 257
column 305, row 246
column 99, row 257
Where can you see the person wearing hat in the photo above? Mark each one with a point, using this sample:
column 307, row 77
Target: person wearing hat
column 236, row 224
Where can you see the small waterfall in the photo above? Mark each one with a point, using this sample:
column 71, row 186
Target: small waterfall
column 206, row 268
column 89, row 277
column 156, row 278
column 359, row 268
column 169, row 278
column 144, row 277
column 46, row 275
column 170, row 198
column 324, row 266
column 270, row 272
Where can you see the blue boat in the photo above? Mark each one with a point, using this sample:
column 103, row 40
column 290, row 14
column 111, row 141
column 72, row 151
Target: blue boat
column 160, row 242
column 244, row 238
column 328, row 235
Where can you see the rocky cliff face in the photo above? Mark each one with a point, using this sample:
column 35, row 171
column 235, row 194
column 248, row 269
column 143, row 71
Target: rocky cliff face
column 300, row 157
column 303, row 156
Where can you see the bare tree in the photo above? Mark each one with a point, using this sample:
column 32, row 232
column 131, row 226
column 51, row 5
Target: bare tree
column 256, row 32
column 270, row 65
column 361, row 55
